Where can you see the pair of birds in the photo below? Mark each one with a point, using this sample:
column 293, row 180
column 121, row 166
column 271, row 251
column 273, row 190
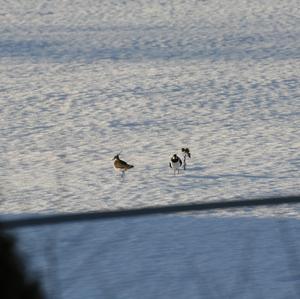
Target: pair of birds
column 175, row 162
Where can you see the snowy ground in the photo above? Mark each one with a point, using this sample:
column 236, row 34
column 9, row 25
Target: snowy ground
column 83, row 80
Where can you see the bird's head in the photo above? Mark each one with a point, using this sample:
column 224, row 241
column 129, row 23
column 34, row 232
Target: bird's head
column 186, row 151
column 116, row 157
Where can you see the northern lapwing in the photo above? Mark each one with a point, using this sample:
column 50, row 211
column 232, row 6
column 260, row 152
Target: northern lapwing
column 186, row 153
column 121, row 165
column 175, row 163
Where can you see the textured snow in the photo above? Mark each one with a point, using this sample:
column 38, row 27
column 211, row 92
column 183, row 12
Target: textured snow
column 83, row 80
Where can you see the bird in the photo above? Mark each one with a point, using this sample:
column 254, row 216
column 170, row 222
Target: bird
column 186, row 153
column 175, row 163
column 121, row 165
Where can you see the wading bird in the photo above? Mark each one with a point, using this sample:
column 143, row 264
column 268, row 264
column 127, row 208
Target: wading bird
column 175, row 163
column 186, row 153
column 121, row 165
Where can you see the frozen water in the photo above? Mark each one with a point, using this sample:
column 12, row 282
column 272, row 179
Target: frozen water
column 83, row 80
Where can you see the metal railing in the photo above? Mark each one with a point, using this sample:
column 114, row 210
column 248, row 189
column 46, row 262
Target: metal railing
column 145, row 211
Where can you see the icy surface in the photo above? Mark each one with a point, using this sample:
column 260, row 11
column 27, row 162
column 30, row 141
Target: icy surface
column 82, row 80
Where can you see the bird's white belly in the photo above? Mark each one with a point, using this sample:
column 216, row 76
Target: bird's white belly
column 119, row 169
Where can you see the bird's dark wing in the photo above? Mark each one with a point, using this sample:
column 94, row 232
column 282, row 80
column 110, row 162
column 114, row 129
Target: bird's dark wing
column 120, row 164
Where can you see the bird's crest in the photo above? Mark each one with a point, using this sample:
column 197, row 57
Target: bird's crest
column 116, row 157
